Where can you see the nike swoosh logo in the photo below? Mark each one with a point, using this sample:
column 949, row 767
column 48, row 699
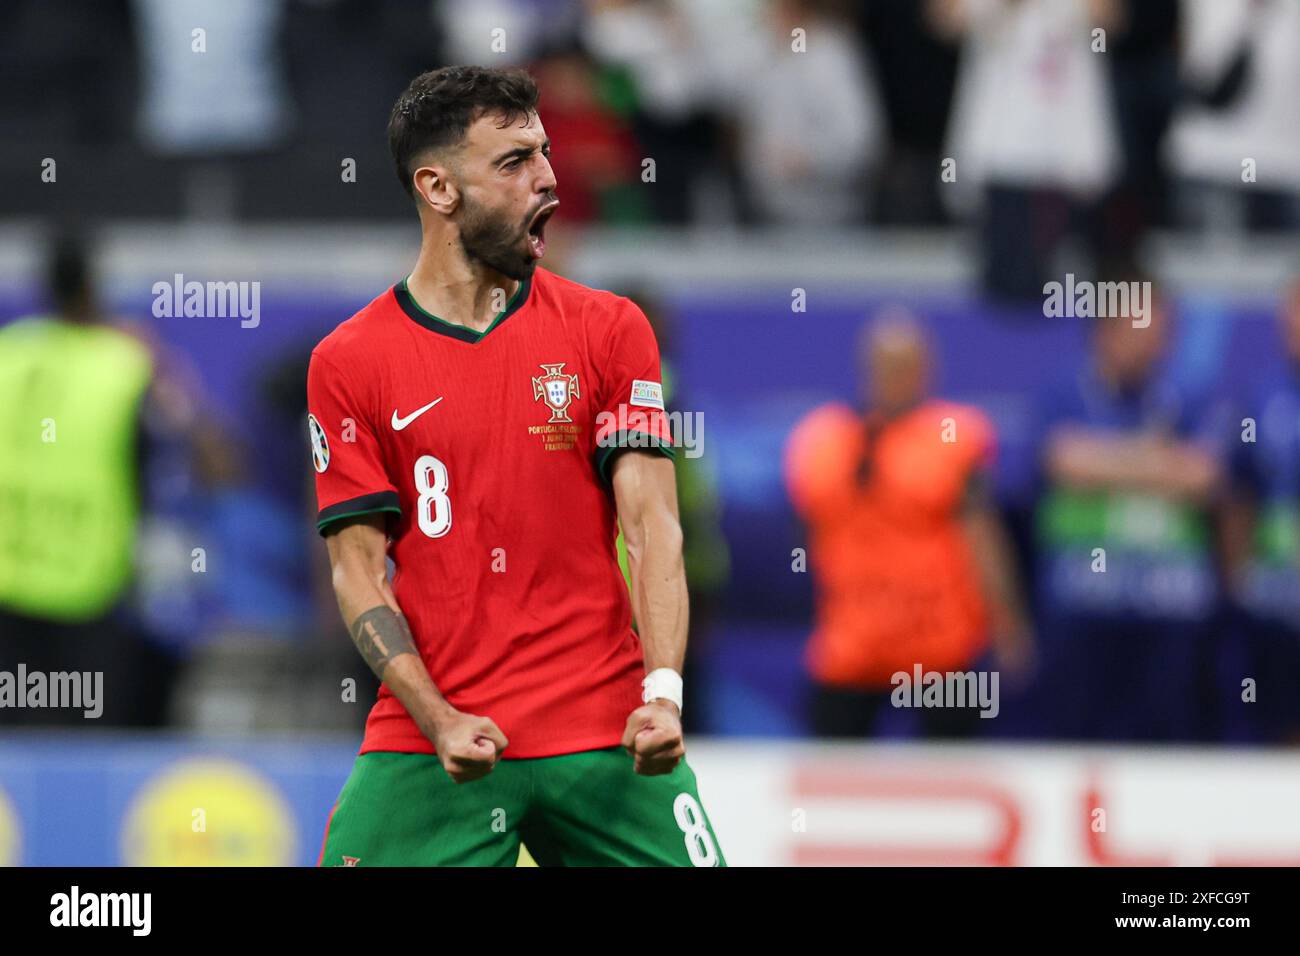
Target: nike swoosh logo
column 400, row 423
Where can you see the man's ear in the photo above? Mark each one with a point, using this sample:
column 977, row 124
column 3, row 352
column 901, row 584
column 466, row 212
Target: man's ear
column 435, row 188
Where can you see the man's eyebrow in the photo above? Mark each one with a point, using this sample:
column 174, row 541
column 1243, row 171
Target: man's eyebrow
column 520, row 152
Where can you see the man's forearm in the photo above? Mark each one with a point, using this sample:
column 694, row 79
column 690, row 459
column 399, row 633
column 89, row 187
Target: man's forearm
column 995, row 564
column 1175, row 470
column 659, row 594
column 1088, row 460
column 383, row 637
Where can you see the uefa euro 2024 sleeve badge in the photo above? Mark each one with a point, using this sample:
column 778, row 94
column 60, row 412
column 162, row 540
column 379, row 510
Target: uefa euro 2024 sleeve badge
column 320, row 446
column 557, row 390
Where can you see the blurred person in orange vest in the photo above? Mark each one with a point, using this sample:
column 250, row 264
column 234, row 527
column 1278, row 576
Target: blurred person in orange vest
column 911, row 564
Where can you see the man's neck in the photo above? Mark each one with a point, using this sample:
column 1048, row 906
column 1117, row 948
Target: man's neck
column 445, row 283
column 884, row 414
column 1116, row 384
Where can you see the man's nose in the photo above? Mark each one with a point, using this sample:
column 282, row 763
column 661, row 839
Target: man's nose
column 545, row 182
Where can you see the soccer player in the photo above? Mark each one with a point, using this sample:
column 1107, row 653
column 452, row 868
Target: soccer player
column 488, row 426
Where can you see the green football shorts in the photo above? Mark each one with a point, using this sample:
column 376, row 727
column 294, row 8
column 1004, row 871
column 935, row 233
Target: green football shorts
column 581, row 809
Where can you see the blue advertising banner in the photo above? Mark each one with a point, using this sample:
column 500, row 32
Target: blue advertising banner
column 142, row 800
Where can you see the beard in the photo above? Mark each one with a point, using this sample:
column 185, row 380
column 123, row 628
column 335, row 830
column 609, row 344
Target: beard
column 494, row 241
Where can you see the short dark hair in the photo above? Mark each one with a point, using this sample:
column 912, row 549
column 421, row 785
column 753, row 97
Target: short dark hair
column 438, row 107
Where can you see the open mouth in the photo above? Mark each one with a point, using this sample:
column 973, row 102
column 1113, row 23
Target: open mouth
column 537, row 230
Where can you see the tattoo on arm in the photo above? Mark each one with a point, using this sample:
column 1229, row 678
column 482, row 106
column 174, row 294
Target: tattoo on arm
column 381, row 634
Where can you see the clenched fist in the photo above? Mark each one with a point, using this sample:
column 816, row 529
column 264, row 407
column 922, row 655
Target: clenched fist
column 653, row 737
column 468, row 745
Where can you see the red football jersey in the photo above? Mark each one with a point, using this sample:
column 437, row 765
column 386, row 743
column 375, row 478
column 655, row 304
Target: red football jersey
column 491, row 455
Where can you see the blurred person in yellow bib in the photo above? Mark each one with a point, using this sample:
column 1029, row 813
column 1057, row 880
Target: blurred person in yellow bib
column 71, row 391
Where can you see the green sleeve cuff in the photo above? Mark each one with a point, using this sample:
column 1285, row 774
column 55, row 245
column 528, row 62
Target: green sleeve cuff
column 605, row 454
column 328, row 519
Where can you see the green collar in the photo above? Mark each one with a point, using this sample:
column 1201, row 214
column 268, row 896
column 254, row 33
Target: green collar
column 462, row 332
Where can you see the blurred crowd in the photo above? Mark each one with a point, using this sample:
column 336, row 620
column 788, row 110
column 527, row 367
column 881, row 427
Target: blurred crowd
column 1041, row 121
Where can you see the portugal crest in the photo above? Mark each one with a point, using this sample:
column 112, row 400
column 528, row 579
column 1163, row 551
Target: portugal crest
column 557, row 390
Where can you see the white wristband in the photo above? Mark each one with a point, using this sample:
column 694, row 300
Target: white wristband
column 662, row 683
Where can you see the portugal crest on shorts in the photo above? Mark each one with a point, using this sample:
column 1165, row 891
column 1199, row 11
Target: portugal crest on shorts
column 557, row 390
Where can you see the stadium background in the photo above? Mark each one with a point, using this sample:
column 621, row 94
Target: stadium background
column 231, row 164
